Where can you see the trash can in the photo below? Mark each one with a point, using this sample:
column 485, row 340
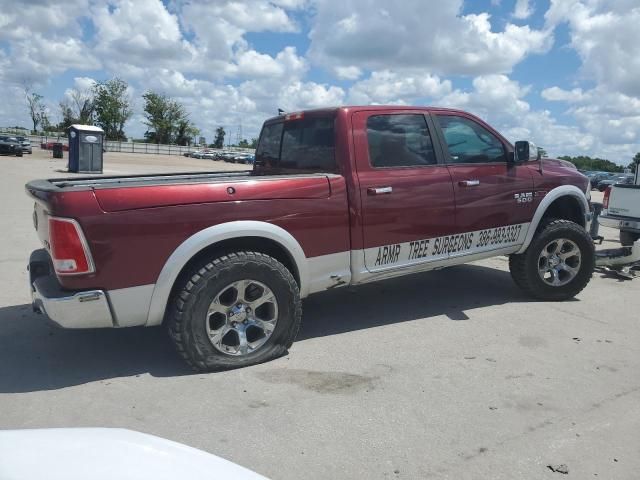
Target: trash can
column 57, row 150
column 85, row 148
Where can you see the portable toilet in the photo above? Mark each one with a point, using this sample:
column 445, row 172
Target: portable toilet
column 85, row 149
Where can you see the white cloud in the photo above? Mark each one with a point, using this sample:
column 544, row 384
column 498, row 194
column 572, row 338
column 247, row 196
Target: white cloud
column 412, row 52
column 140, row 33
column 398, row 87
column 608, row 125
column 557, row 94
column 523, row 9
column 605, row 34
column 424, row 34
column 348, row 73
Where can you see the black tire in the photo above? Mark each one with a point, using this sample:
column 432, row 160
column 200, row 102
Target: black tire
column 186, row 315
column 524, row 267
column 628, row 238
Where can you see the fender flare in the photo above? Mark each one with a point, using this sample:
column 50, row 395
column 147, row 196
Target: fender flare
column 209, row 236
column 552, row 196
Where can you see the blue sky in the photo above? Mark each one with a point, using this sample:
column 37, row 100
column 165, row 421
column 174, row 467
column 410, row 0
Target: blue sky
column 558, row 72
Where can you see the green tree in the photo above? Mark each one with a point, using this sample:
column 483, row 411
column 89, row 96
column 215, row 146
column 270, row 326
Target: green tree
column 67, row 115
column 219, row 140
column 254, row 143
column 112, row 106
column 635, row 162
column 167, row 120
column 186, row 132
column 244, row 143
column 79, row 109
column 597, row 164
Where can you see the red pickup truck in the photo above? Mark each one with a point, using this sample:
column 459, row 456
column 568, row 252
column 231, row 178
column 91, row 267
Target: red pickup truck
column 339, row 196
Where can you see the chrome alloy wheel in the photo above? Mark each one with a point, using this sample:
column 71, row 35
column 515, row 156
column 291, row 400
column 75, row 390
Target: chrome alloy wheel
column 242, row 317
column 559, row 262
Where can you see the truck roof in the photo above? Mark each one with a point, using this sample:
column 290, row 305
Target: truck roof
column 333, row 110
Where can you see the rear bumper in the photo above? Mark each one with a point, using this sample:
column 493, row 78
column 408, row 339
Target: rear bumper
column 621, row 223
column 68, row 309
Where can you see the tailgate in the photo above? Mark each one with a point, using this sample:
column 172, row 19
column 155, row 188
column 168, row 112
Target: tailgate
column 624, row 201
column 53, row 201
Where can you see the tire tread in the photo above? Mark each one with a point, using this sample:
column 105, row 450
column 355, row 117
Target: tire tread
column 519, row 265
column 177, row 314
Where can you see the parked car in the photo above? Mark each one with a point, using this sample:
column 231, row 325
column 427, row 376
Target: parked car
column 26, row 144
column 246, row 158
column 354, row 195
column 49, row 146
column 228, row 156
column 620, row 179
column 621, row 210
column 10, row 146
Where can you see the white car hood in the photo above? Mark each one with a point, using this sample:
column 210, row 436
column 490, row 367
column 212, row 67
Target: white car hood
column 107, row 454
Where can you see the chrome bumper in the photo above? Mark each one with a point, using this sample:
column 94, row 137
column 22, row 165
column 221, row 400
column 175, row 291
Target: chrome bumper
column 621, row 223
column 68, row 309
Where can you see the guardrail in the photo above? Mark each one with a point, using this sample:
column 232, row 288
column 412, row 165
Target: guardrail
column 126, row 147
column 159, row 149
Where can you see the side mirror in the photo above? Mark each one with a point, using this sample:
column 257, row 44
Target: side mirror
column 526, row 151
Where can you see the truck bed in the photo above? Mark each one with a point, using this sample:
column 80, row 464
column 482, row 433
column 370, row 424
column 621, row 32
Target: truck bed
column 94, row 182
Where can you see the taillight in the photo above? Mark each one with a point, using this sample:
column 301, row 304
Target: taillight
column 605, row 200
column 69, row 249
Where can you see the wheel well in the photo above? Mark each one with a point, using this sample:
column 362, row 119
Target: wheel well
column 565, row 208
column 253, row 244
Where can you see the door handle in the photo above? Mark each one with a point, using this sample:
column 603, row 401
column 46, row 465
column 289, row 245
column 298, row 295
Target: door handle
column 379, row 190
column 469, row 183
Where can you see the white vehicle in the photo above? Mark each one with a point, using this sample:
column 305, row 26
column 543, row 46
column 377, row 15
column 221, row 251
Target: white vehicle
column 621, row 210
column 107, row 454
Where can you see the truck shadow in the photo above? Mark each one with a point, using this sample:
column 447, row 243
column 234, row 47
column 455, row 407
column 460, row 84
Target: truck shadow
column 35, row 355
column 452, row 292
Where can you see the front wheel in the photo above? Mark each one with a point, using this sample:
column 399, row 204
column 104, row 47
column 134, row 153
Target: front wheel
column 558, row 263
column 239, row 309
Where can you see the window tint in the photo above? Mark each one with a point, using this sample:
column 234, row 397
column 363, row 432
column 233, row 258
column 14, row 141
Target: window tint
column 268, row 151
column 308, row 145
column 399, row 141
column 299, row 145
column 469, row 142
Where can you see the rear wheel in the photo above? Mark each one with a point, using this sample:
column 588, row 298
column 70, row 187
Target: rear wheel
column 558, row 263
column 237, row 310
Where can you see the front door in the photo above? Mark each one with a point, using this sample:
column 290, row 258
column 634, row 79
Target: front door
column 494, row 197
column 406, row 194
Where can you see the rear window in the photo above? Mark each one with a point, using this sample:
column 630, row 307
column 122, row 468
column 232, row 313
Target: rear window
column 305, row 145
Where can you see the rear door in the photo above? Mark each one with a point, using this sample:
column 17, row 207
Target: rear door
column 494, row 197
column 406, row 193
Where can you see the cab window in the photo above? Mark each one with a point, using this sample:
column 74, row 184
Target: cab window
column 470, row 142
column 268, row 151
column 399, row 141
column 297, row 146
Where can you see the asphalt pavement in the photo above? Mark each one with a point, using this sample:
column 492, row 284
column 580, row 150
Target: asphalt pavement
column 451, row 374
